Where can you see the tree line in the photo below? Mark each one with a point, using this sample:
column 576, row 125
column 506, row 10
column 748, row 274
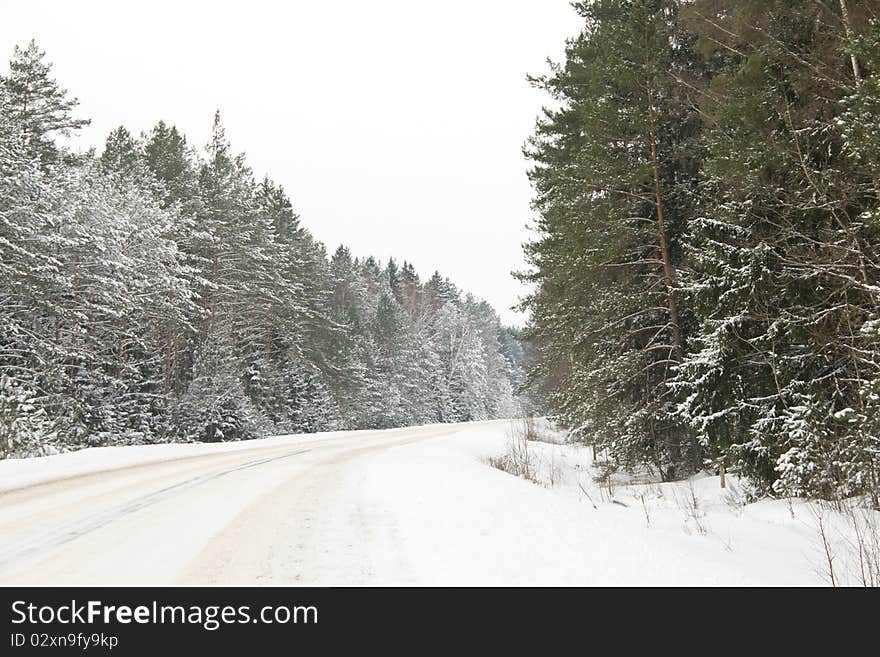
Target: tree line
column 152, row 292
column 706, row 270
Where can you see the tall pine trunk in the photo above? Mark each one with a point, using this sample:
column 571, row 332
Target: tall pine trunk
column 668, row 267
column 673, row 443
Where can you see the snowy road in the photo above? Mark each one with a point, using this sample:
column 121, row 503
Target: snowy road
column 261, row 514
column 405, row 506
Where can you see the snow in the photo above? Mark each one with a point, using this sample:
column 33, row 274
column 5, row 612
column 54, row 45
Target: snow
column 463, row 522
column 415, row 506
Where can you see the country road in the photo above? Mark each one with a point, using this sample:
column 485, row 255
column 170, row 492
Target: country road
column 267, row 514
column 411, row 506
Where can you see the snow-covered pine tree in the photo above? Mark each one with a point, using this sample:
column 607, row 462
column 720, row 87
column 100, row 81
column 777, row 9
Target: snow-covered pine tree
column 155, row 294
column 786, row 276
column 215, row 406
column 614, row 166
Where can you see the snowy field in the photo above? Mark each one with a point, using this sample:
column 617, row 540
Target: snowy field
column 414, row 506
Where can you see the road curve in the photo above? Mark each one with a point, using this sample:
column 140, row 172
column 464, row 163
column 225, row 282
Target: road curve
column 267, row 515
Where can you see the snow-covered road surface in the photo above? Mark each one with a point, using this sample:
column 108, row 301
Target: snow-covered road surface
column 405, row 506
column 236, row 513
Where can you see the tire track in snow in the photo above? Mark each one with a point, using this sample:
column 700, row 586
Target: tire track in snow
column 311, row 529
column 71, row 531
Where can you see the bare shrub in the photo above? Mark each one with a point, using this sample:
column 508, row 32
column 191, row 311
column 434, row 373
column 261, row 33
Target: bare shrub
column 536, row 431
column 554, row 471
column 690, row 504
column 517, row 459
column 587, row 493
column 852, row 550
column 866, row 544
column 605, row 470
column 734, row 497
column 528, row 428
column 641, row 496
column 826, row 546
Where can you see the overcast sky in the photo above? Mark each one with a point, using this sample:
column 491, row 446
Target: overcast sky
column 396, row 126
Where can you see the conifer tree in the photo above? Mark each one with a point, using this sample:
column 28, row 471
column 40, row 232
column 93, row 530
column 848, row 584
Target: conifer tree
column 614, row 170
column 39, row 108
column 786, row 276
column 157, row 294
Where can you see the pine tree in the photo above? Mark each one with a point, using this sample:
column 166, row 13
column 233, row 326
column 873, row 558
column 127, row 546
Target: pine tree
column 785, row 277
column 614, row 171
column 172, row 163
column 215, row 406
column 152, row 294
column 122, row 154
column 39, row 108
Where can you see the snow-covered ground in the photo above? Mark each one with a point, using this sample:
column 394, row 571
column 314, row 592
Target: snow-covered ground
column 407, row 506
column 464, row 522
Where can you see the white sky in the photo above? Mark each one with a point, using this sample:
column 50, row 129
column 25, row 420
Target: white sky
column 396, row 126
